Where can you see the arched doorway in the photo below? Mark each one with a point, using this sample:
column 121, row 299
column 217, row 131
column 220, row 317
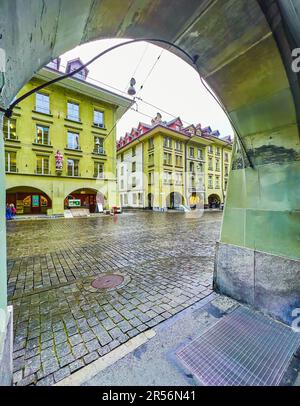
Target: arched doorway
column 174, row 200
column 214, row 201
column 150, row 200
column 85, row 198
column 28, row 200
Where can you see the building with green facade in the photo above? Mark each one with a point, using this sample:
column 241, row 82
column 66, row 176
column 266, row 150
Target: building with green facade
column 60, row 145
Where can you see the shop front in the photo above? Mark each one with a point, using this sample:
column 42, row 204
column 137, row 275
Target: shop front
column 28, row 200
column 84, row 199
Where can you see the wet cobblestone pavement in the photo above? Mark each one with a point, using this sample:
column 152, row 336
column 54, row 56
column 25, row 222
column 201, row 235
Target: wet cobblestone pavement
column 62, row 323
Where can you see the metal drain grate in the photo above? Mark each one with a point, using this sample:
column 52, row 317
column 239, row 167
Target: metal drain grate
column 243, row 348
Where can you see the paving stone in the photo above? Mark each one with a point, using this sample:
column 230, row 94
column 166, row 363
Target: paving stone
column 68, row 359
column 32, row 366
column 75, row 339
column 29, row 380
column 61, row 373
column 90, row 357
column 92, row 345
column 49, row 366
column 48, row 381
column 17, row 376
column 88, row 336
column 74, row 366
column 79, row 350
column 62, row 350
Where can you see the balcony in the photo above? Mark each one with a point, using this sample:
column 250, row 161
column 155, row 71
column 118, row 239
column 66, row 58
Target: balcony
column 99, row 150
column 99, row 125
column 73, row 147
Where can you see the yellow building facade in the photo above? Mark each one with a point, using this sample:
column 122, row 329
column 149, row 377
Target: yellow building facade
column 60, row 146
column 164, row 165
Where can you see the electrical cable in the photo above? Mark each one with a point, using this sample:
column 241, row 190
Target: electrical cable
column 192, row 59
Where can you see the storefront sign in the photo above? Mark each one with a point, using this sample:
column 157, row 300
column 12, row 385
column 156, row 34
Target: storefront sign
column 74, row 202
column 35, row 201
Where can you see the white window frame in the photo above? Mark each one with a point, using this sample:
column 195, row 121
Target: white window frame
column 9, row 161
column 43, row 165
column 76, row 135
column 71, row 110
column 42, row 127
column 42, row 103
column 96, row 122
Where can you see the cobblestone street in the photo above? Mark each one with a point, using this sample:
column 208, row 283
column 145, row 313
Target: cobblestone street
column 62, row 323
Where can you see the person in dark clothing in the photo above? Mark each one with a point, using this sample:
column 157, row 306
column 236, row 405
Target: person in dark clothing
column 8, row 212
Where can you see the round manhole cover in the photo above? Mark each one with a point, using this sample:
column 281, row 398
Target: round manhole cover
column 107, row 281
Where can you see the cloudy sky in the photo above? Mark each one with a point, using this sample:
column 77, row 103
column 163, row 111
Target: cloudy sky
column 163, row 80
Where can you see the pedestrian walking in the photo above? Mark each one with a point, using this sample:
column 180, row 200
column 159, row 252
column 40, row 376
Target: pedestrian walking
column 13, row 210
column 8, row 212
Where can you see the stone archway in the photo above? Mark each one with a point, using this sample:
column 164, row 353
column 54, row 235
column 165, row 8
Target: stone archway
column 174, row 200
column 214, row 201
column 246, row 59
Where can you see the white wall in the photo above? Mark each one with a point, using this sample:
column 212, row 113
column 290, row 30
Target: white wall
column 131, row 196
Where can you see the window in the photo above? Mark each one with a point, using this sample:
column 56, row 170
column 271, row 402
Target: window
column 151, row 143
column 200, row 167
column 178, row 177
column 10, row 161
column 133, row 168
column 133, row 184
column 178, row 145
column 42, row 103
column 42, row 165
column 134, row 198
column 225, row 184
column 167, row 142
column 122, row 184
column 151, row 159
column 226, row 170
column 73, row 140
column 226, row 156
column 122, row 157
column 73, row 167
column 192, row 152
column 217, row 151
column 99, row 118
column 178, row 160
column 98, row 145
column 210, row 181
column 98, row 170
column 192, row 167
column 200, row 153
column 73, row 111
column 125, row 199
column 217, row 182
column 167, row 178
column 133, row 151
column 122, row 170
column 210, row 164
column 217, row 165
column 151, row 178
column 210, row 149
column 167, row 159
column 42, row 135
column 140, row 198
column 9, row 128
